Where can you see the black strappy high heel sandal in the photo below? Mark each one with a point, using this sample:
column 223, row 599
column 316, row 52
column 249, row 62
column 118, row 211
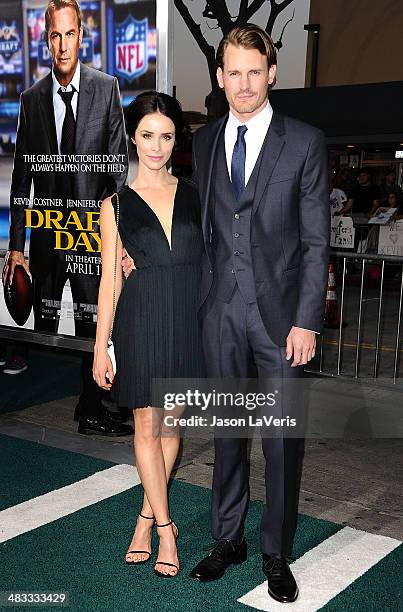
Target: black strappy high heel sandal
column 144, row 552
column 161, row 574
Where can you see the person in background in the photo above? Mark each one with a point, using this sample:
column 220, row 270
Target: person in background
column 393, row 201
column 338, row 198
column 390, row 186
column 365, row 196
column 13, row 357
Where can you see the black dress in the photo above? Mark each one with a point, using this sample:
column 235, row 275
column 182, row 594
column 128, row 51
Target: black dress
column 156, row 331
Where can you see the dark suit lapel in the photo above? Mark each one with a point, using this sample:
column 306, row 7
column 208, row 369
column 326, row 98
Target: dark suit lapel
column 47, row 111
column 85, row 97
column 209, row 153
column 273, row 145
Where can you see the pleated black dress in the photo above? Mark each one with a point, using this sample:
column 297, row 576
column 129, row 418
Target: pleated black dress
column 156, row 331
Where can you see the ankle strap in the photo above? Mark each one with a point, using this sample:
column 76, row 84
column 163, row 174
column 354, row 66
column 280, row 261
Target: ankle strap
column 166, row 524
column 151, row 518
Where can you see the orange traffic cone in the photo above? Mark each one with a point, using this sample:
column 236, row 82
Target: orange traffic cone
column 332, row 315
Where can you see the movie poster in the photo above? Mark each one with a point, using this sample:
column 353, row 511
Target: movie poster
column 54, row 192
column 132, row 46
column 40, row 60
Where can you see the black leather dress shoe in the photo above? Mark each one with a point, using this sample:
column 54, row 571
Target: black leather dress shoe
column 280, row 581
column 119, row 417
column 224, row 553
column 103, row 425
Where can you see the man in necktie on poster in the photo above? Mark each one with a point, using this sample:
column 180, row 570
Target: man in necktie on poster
column 72, row 114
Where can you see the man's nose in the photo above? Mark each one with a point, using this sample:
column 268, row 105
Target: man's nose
column 63, row 44
column 244, row 83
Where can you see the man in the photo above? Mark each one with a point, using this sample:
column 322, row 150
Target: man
column 365, row 196
column 74, row 110
column 263, row 184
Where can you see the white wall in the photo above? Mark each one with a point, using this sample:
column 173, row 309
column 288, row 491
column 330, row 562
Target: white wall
column 190, row 67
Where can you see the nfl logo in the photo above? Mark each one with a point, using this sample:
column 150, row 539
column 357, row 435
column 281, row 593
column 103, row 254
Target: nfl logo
column 131, row 48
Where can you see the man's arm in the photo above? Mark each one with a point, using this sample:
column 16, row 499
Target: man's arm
column 314, row 218
column 117, row 144
column 20, row 188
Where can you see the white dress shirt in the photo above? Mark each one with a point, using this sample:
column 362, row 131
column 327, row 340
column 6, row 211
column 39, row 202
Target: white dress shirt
column 58, row 104
column 254, row 137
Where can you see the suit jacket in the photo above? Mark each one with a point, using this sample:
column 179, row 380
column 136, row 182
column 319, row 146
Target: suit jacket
column 99, row 130
column 290, row 223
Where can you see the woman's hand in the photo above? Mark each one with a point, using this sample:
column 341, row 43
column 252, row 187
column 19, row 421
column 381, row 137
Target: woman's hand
column 102, row 370
column 127, row 264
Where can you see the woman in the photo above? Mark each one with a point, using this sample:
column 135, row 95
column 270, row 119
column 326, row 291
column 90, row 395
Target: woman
column 155, row 331
column 393, row 202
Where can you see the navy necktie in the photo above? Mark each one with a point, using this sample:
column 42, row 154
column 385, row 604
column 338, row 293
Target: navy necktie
column 69, row 124
column 238, row 162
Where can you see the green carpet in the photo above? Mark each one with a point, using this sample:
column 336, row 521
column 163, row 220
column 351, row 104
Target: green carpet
column 378, row 590
column 29, row 469
column 50, row 376
column 82, row 553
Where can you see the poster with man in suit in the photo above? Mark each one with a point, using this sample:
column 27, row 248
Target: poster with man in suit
column 71, row 147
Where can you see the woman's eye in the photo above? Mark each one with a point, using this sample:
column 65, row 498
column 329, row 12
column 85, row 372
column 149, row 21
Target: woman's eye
column 167, row 137
column 146, row 136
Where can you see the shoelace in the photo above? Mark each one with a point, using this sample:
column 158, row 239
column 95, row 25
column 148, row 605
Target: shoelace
column 277, row 568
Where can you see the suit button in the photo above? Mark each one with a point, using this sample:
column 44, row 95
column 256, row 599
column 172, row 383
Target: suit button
column 210, row 271
column 236, row 252
column 236, row 235
column 232, row 271
column 236, row 216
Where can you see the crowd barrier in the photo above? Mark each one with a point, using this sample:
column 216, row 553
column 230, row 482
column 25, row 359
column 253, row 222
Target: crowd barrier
column 365, row 269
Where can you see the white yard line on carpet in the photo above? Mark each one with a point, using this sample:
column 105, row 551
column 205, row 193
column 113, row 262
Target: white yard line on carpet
column 327, row 570
column 61, row 502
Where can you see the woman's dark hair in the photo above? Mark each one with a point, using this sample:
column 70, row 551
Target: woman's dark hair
column 150, row 102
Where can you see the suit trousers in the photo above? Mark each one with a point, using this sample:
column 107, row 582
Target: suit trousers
column 84, row 290
column 236, row 345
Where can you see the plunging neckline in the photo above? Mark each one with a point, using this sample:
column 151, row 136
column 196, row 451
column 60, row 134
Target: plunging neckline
column 169, row 242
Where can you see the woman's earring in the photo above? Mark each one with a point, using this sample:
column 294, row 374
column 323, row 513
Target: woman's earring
column 134, row 142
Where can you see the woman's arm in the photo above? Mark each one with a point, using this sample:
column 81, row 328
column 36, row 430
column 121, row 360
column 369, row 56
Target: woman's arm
column 102, row 363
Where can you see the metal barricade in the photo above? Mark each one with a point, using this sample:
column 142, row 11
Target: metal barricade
column 380, row 323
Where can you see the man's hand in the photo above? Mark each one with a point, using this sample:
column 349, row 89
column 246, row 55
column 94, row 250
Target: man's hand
column 301, row 344
column 14, row 258
column 127, row 264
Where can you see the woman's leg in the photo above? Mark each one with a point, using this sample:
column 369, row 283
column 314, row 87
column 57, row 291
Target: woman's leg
column 153, row 474
column 170, row 442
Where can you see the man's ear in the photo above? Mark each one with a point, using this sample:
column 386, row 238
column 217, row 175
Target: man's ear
column 272, row 74
column 220, row 78
column 81, row 35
